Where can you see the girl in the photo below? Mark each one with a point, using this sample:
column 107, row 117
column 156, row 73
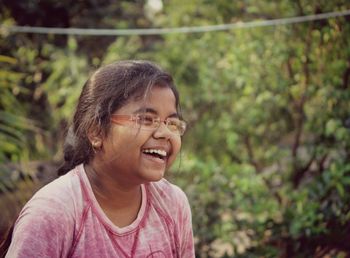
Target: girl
column 112, row 199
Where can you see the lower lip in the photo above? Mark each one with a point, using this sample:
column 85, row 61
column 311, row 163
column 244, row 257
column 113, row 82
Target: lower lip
column 154, row 159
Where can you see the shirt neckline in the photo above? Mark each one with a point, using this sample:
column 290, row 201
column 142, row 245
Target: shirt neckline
column 90, row 196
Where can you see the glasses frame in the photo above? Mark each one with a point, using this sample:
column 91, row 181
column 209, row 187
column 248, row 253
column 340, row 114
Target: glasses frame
column 118, row 119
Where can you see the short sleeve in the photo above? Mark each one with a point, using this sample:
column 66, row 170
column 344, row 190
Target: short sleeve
column 44, row 228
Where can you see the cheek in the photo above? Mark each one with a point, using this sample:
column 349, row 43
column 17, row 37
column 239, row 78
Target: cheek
column 176, row 145
column 130, row 141
column 122, row 140
column 127, row 135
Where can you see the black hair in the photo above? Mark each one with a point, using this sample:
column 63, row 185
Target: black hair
column 108, row 89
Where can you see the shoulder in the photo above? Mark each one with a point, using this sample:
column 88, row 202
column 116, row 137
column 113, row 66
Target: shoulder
column 46, row 224
column 168, row 196
column 57, row 200
column 62, row 191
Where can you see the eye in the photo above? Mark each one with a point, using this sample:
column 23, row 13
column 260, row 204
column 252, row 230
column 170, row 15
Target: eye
column 174, row 124
column 146, row 120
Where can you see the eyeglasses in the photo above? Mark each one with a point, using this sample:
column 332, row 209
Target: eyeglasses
column 149, row 122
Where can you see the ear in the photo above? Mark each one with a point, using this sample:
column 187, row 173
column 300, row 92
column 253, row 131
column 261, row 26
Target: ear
column 95, row 138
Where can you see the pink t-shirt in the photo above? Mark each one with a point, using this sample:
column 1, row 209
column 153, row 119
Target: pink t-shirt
column 64, row 219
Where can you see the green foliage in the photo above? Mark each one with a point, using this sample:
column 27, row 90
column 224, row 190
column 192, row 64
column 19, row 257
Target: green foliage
column 265, row 160
column 13, row 123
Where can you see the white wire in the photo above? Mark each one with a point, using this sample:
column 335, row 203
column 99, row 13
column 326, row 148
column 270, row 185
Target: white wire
column 159, row 31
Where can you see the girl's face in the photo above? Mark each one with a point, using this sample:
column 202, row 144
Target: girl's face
column 132, row 155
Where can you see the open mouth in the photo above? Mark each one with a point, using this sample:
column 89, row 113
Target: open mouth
column 160, row 154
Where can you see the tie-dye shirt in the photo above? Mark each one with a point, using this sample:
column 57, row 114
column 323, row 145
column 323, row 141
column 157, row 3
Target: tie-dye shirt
column 64, row 219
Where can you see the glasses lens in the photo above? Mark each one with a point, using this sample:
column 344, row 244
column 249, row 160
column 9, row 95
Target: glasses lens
column 147, row 121
column 176, row 126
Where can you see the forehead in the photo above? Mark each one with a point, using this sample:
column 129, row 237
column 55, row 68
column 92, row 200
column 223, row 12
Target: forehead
column 160, row 99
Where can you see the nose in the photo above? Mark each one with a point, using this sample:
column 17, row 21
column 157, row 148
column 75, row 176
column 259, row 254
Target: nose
column 162, row 131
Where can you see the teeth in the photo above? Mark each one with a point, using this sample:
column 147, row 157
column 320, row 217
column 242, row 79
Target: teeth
column 159, row 152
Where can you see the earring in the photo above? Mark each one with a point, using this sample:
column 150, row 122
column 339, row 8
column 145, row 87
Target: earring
column 96, row 146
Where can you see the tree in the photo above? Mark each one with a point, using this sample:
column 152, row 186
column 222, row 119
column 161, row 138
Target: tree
column 265, row 159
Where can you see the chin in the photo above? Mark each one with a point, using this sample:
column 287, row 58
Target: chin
column 153, row 176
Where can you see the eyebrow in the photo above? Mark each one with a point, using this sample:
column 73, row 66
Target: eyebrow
column 152, row 111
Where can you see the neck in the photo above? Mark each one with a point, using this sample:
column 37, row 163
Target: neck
column 111, row 194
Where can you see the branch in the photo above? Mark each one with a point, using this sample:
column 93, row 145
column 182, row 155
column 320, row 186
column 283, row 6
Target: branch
column 274, row 192
column 258, row 167
column 321, row 163
column 299, row 173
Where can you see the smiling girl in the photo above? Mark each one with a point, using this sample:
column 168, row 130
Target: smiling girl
column 112, row 199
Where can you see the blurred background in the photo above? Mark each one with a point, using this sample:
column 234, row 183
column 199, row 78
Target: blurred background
column 266, row 159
